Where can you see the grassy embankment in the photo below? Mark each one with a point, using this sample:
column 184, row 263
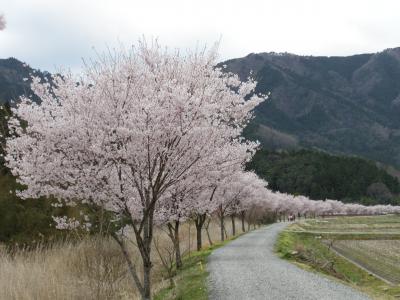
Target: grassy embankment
column 191, row 281
column 332, row 246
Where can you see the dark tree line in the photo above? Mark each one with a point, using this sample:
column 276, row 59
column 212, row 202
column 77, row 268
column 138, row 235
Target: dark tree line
column 319, row 175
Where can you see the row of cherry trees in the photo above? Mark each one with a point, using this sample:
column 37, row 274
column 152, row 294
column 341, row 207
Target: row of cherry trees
column 148, row 137
column 285, row 204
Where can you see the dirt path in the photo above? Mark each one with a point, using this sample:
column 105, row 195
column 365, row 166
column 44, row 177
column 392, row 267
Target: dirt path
column 248, row 268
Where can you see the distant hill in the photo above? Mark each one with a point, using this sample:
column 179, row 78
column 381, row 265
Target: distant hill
column 15, row 79
column 323, row 176
column 348, row 105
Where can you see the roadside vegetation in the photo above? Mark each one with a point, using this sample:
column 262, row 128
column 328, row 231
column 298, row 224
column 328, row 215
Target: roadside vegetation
column 95, row 268
column 356, row 250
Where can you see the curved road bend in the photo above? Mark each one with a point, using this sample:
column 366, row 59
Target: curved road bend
column 248, row 268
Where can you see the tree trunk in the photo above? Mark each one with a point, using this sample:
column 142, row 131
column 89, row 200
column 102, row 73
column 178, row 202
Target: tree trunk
column 199, row 222
column 146, row 280
column 226, row 233
column 173, row 233
column 199, row 238
column 143, row 238
column 221, row 223
column 178, row 256
column 189, row 239
column 131, row 265
column 147, row 239
column 242, row 215
column 208, row 233
column 233, row 225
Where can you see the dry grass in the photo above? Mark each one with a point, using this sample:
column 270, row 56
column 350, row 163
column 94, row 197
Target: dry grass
column 90, row 269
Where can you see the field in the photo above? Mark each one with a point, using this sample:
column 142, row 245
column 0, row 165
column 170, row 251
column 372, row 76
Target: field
column 92, row 268
column 380, row 257
column 363, row 251
column 356, row 227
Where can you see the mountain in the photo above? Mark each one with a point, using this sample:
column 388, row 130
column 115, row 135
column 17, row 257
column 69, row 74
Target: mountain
column 15, row 79
column 348, row 105
column 343, row 105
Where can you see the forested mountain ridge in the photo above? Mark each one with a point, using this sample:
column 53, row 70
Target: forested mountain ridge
column 348, row 105
column 320, row 175
column 15, row 79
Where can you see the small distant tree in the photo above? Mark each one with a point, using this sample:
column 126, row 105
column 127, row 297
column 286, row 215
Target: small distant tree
column 133, row 126
column 379, row 190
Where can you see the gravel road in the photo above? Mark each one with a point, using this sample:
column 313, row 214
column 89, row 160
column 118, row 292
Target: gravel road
column 248, row 268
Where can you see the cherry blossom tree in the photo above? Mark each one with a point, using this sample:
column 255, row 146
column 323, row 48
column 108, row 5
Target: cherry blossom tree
column 131, row 127
column 255, row 190
column 234, row 157
column 228, row 192
column 194, row 197
column 203, row 209
column 173, row 212
column 235, row 194
column 177, row 207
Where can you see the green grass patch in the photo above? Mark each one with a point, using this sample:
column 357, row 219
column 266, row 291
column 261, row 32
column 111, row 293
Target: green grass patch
column 191, row 281
column 311, row 252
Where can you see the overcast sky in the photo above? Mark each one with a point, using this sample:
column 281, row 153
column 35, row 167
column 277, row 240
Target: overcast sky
column 48, row 34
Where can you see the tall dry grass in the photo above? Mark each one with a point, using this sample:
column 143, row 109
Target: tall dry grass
column 92, row 268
